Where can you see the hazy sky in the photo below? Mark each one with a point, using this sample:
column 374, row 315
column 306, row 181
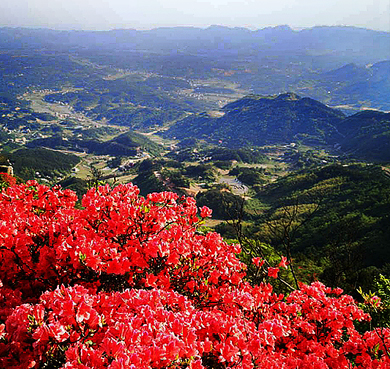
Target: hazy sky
column 146, row 14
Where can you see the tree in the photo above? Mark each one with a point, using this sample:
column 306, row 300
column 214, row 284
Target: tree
column 284, row 225
column 95, row 178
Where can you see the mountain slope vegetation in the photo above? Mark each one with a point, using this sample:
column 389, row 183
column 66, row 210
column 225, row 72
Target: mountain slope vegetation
column 367, row 135
column 257, row 120
column 47, row 163
column 335, row 215
column 126, row 144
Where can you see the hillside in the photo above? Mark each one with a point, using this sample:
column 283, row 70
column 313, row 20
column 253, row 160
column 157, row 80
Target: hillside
column 335, row 215
column 367, row 135
column 41, row 163
column 257, row 120
column 126, row 144
column 352, row 86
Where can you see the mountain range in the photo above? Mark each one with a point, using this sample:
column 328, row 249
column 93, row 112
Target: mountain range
column 258, row 120
column 218, row 39
column 336, row 65
column 353, row 85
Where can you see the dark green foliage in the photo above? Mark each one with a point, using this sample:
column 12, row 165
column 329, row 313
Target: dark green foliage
column 203, row 172
column 343, row 212
column 149, row 178
column 176, row 178
column 132, row 139
column 225, row 230
column 298, row 159
column 114, row 163
column 186, row 154
column 19, row 122
column 249, row 176
column 366, row 135
column 96, row 133
column 95, row 177
column 189, row 142
column 126, row 144
column 43, row 116
column 148, row 165
column 223, row 164
column 148, row 182
column 80, row 186
column 200, row 126
column 4, row 136
column 49, row 164
column 244, row 155
column 376, row 302
column 53, row 129
column 4, row 159
column 256, row 120
column 224, row 204
column 173, row 164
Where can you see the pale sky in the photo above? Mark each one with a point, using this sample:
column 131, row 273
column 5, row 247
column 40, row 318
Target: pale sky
column 147, row 14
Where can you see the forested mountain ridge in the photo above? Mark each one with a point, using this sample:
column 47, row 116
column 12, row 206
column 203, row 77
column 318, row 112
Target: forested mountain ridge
column 259, row 120
column 336, row 215
column 126, row 144
column 352, row 83
column 367, row 135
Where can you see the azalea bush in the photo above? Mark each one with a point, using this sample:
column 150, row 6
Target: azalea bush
column 125, row 281
column 6, row 180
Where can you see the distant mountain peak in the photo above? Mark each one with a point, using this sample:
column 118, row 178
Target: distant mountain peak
column 218, row 27
column 289, row 96
column 260, row 120
column 282, row 27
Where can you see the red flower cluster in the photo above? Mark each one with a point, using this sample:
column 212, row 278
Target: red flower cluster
column 127, row 282
column 7, row 180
